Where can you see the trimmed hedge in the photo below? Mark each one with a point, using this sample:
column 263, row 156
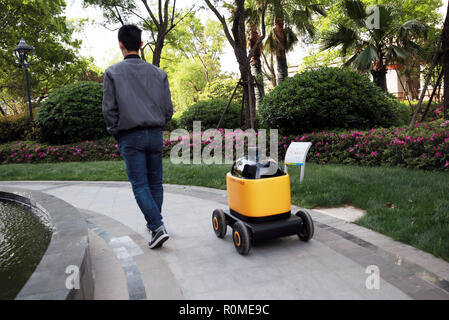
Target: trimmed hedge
column 209, row 113
column 14, row 127
column 72, row 113
column 329, row 98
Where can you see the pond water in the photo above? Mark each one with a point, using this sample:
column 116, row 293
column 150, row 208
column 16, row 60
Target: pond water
column 24, row 238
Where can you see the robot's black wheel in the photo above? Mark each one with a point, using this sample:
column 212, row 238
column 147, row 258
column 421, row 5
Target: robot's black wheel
column 307, row 229
column 241, row 237
column 219, row 223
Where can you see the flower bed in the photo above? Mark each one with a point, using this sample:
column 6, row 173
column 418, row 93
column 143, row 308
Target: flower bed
column 425, row 147
column 30, row 152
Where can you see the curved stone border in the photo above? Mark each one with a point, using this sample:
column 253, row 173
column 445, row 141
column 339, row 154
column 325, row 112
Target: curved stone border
column 66, row 254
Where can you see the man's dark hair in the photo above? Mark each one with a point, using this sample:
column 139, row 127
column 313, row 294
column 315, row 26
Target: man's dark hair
column 130, row 36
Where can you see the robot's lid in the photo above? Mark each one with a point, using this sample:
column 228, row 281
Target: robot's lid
column 245, row 168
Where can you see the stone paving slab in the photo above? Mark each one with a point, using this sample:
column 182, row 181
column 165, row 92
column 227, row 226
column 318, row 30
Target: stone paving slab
column 197, row 265
column 109, row 277
column 347, row 213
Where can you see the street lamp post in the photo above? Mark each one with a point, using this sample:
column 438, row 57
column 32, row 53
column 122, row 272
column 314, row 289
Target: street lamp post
column 24, row 54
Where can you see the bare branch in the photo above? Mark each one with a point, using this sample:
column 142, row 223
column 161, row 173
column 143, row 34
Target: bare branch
column 160, row 11
column 118, row 16
column 106, row 27
column 2, row 112
column 173, row 25
column 152, row 35
column 173, row 13
column 145, row 3
column 149, row 45
column 223, row 22
column 166, row 12
column 141, row 18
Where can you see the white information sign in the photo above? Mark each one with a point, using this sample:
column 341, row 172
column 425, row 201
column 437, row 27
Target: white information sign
column 296, row 156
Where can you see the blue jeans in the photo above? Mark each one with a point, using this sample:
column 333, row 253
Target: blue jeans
column 142, row 151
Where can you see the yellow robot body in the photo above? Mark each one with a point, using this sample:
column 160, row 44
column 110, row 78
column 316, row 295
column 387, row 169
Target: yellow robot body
column 258, row 198
column 259, row 205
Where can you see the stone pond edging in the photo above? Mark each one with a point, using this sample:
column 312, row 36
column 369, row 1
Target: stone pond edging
column 67, row 254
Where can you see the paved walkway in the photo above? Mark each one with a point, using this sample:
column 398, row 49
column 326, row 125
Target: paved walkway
column 195, row 264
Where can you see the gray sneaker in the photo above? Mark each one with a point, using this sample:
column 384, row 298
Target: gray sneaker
column 158, row 238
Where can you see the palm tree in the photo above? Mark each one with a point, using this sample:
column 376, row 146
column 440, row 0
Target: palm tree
column 253, row 16
column 289, row 18
column 375, row 47
column 445, row 62
column 268, row 68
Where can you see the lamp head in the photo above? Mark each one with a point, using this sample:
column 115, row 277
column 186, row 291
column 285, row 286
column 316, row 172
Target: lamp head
column 24, row 53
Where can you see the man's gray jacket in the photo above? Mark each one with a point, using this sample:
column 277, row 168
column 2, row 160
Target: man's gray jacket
column 135, row 94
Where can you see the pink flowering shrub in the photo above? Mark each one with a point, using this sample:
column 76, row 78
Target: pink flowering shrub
column 425, row 147
column 30, row 152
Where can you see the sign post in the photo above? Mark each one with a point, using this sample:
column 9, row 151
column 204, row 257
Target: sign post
column 296, row 156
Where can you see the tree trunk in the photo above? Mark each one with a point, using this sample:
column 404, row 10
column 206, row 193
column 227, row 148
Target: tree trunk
column 380, row 79
column 435, row 59
column 256, row 70
column 406, row 93
column 256, row 66
column 229, row 103
column 445, row 47
column 435, row 88
column 414, row 93
column 238, row 43
column 248, row 89
column 270, row 74
column 379, row 72
column 239, row 33
column 281, row 56
column 142, row 54
column 157, row 53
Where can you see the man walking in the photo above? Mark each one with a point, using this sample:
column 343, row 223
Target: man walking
column 136, row 106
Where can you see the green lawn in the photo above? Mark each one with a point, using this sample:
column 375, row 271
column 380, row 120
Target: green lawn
column 417, row 214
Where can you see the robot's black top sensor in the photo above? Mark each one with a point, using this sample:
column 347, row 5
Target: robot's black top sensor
column 249, row 169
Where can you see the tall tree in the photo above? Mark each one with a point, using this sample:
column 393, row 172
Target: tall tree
column 43, row 25
column 254, row 13
column 375, row 45
column 290, row 18
column 159, row 21
column 195, row 40
column 237, row 39
column 191, row 59
column 445, row 48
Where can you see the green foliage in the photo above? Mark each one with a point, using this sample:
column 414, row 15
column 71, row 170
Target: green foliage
column 186, row 83
column 191, row 58
column 318, row 58
column 172, row 124
column 209, row 113
column 398, row 40
column 390, row 41
column 328, row 98
column 425, row 11
column 222, row 88
column 14, row 127
column 43, row 25
column 72, row 113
